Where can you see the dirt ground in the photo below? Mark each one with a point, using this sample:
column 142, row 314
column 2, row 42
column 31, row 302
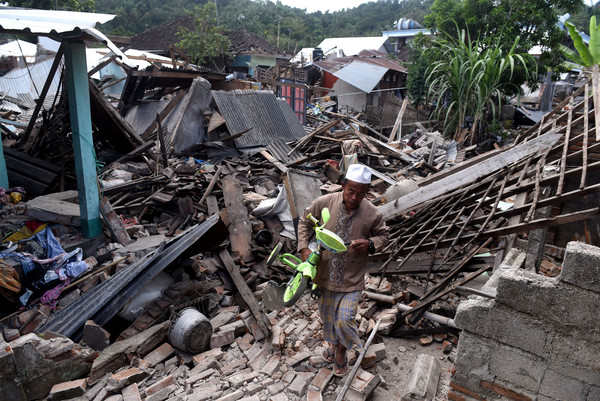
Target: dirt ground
column 395, row 369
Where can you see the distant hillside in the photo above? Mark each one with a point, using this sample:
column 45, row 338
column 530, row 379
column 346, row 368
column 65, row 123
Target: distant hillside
column 297, row 28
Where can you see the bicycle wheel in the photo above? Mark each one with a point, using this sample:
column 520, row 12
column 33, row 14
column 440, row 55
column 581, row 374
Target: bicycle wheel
column 294, row 289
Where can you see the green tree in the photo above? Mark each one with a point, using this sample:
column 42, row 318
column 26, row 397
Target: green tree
column 70, row 5
column 207, row 40
column 418, row 63
column 535, row 22
column 469, row 78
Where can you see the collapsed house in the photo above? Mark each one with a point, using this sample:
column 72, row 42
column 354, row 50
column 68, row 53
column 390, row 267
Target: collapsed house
column 184, row 166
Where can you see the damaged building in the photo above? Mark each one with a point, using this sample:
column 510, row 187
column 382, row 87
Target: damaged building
column 143, row 195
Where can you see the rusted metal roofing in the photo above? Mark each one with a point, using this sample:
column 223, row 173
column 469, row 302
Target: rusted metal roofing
column 366, row 56
column 261, row 115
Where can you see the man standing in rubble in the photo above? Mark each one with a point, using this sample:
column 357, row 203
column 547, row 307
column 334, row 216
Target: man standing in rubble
column 341, row 275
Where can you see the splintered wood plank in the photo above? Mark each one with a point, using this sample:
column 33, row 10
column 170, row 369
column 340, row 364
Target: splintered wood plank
column 240, row 229
column 114, row 223
column 212, row 205
column 246, row 293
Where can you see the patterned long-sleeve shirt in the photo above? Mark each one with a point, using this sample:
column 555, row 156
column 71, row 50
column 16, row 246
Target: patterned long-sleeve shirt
column 344, row 272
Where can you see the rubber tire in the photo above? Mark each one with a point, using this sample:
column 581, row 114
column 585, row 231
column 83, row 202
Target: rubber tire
column 300, row 281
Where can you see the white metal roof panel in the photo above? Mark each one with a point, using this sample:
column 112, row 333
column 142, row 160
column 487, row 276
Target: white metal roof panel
column 364, row 76
column 48, row 21
column 18, row 48
column 353, row 46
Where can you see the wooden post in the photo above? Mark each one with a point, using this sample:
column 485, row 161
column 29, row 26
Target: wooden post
column 398, row 124
column 3, row 171
column 83, row 142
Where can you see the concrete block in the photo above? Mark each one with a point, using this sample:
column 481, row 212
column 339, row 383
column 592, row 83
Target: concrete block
column 222, row 319
column 251, row 398
column 95, row 336
column 238, row 327
column 114, row 356
column 278, row 337
column 159, row 385
column 300, row 383
column 236, row 395
column 116, row 397
column 131, row 393
column 11, row 334
column 38, row 374
column 162, row 394
column 275, row 388
column 594, row 393
column 423, row 379
column 234, row 366
column 559, row 387
column 581, row 266
column 125, row 378
column 36, row 322
column 506, row 393
column 314, row 395
column 321, row 380
column 69, row 298
column 254, row 388
column 548, row 299
column 66, row 390
column 298, row 358
column 222, row 337
column 472, row 360
column 517, row 367
column 259, row 360
column 576, row 351
column 271, row 366
column 10, row 383
column 245, row 376
column 159, row 354
column 487, row 318
column 279, row 397
column 362, row 385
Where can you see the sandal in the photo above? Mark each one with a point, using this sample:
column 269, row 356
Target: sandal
column 328, row 355
column 337, row 369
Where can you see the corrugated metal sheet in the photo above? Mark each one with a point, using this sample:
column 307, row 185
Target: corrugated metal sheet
column 365, row 56
column 48, row 22
column 5, row 105
column 30, row 80
column 364, row 76
column 292, row 119
column 257, row 111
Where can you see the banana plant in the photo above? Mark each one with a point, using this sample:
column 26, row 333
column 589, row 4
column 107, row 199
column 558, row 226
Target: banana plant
column 585, row 56
column 589, row 58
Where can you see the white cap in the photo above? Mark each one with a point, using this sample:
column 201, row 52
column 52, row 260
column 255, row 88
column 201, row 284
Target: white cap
column 359, row 173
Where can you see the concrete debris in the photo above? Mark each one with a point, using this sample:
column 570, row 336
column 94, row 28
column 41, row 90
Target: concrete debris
column 201, row 176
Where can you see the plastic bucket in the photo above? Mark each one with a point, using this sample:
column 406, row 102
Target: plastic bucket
column 190, row 331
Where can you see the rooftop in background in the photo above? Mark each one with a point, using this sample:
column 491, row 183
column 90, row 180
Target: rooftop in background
column 366, row 56
column 158, row 39
column 353, row 46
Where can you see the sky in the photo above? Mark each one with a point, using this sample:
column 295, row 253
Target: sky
column 323, row 5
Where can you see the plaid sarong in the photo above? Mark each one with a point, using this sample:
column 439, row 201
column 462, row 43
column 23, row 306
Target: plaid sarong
column 338, row 311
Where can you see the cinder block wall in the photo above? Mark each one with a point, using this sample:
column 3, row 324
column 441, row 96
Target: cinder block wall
column 538, row 340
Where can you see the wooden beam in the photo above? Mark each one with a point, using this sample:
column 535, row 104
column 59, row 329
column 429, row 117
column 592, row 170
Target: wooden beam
column 246, row 293
column 471, row 174
column 398, row 124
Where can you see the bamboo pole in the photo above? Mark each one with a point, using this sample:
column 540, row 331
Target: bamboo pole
column 344, row 389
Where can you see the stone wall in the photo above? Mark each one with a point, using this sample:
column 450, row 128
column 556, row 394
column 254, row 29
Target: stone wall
column 538, row 339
